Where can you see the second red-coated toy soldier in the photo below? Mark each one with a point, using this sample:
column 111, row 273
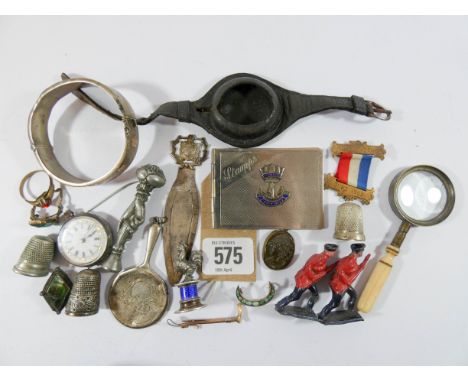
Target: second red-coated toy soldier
column 346, row 271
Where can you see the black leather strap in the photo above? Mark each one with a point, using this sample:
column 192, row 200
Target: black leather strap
column 360, row 106
column 278, row 107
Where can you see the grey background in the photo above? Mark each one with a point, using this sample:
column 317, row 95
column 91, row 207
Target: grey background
column 414, row 65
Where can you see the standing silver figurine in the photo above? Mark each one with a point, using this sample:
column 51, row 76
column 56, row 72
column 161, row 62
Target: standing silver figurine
column 149, row 178
column 187, row 263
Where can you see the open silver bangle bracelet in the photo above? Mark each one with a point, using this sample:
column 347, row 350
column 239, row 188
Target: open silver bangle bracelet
column 39, row 137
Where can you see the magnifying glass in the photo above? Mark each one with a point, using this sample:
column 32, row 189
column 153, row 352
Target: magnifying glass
column 421, row 196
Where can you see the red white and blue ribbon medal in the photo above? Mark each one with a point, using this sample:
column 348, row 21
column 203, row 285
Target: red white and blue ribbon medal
column 352, row 174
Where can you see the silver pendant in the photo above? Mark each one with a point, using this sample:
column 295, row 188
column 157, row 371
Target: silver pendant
column 183, row 205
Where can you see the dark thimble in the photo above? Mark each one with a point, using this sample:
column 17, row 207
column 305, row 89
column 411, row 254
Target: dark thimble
column 358, row 247
column 36, row 257
column 84, row 297
column 331, row 247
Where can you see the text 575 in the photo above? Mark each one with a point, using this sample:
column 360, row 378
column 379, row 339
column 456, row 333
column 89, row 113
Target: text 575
column 223, row 255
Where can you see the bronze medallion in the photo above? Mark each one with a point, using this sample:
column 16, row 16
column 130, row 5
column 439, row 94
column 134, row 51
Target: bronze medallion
column 278, row 250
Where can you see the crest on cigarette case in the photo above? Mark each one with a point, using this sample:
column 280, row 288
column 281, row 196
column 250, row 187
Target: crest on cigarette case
column 274, row 195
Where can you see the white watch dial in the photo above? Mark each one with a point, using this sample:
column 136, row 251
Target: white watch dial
column 83, row 240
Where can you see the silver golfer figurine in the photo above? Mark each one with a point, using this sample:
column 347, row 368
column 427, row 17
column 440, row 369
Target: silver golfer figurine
column 149, row 178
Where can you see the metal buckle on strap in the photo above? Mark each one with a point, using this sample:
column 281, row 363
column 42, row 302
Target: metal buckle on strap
column 378, row 111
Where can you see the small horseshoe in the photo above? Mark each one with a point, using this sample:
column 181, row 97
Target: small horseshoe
column 258, row 302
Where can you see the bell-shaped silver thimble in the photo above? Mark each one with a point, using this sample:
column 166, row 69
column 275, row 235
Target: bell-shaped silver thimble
column 84, row 296
column 349, row 225
column 36, row 257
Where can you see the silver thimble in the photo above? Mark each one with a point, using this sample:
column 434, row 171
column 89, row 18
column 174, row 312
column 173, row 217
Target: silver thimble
column 36, row 257
column 348, row 225
column 84, row 296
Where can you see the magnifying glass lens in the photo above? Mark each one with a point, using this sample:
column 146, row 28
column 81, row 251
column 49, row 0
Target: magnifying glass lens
column 421, row 195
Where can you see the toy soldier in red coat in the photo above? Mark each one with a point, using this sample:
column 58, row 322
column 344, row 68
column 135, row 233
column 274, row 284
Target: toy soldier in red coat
column 346, row 271
column 311, row 273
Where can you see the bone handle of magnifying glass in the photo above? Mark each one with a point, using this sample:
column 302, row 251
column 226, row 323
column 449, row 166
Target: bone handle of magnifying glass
column 377, row 280
column 381, row 271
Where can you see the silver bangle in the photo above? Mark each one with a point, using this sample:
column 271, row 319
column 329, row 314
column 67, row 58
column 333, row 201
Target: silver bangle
column 39, row 137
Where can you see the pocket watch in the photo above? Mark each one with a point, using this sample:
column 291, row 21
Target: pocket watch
column 84, row 240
